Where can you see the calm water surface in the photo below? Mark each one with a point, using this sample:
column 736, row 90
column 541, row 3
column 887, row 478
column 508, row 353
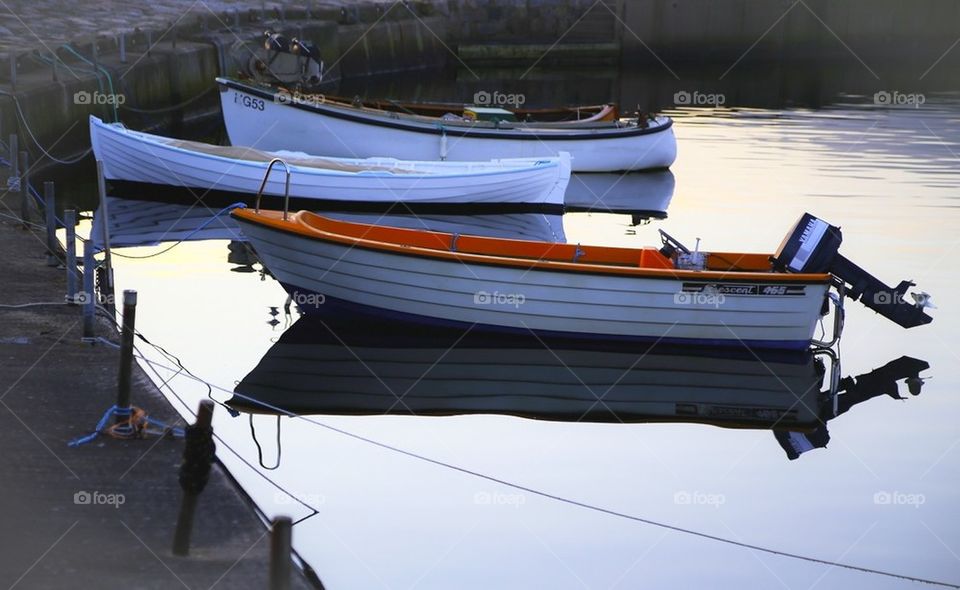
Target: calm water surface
column 883, row 494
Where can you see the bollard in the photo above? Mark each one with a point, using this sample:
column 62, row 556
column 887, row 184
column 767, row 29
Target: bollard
column 236, row 19
column 13, row 72
column 173, row 36
column 281, row 537
column 126, row 353
column 199, row 452
column 24, row 190
column 149, row 41
column 70, row 224
column 123, row 48
column 87, row 297
column 50, row 213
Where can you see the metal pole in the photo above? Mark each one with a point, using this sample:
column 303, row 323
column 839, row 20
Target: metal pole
column 89, row 299
column 70, row 224
column 13, row 72
column 126, row 352
column 123, row 48
column 198, row 454
column 56, row 58
column 108, row 259
column 50, row 212
column 280, row 549
column 14, row 165
column 24, row 190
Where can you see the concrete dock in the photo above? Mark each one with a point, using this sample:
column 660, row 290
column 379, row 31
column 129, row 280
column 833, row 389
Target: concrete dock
column 101, row 515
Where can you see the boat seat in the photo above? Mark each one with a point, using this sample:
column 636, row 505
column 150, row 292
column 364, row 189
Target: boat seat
column 652, row 258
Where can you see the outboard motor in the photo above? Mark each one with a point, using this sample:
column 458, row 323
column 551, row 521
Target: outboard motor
column 812, row 247
column 289, row 61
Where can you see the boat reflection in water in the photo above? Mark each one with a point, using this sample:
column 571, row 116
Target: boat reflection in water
column 351, row 365
column 645, row 195
column 135, row 222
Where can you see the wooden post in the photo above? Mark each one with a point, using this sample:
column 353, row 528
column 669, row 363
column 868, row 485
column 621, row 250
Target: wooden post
column 198, row 454
column 107, row 257
column 281, row 538
column 88, row 298
column 126, row 352
column 50, row 213
column 70, row 224
column 24, row 189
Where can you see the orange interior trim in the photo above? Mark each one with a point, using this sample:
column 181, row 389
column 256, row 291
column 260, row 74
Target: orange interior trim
column 523, row 253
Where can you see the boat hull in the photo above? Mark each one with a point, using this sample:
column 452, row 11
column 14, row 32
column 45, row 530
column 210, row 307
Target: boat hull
column 320, row 273
column 143, row 158
column 254, row 116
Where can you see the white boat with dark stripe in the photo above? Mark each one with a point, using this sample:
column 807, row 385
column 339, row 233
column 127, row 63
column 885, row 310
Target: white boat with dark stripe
column 274, row 119
column 139, row 157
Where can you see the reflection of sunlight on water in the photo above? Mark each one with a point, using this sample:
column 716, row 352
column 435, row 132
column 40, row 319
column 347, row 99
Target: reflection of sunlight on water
column 742, row 179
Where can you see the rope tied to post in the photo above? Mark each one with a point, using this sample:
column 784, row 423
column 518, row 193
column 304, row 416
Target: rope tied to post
column 199, row 453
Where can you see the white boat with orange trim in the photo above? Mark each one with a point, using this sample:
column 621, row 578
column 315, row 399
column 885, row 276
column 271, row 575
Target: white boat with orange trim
column 274, row 119
column 134, row 156
column 669, row 294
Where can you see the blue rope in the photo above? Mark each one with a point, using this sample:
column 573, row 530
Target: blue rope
column 114, row 410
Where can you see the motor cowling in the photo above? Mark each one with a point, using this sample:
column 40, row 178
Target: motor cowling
column 812, row 246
